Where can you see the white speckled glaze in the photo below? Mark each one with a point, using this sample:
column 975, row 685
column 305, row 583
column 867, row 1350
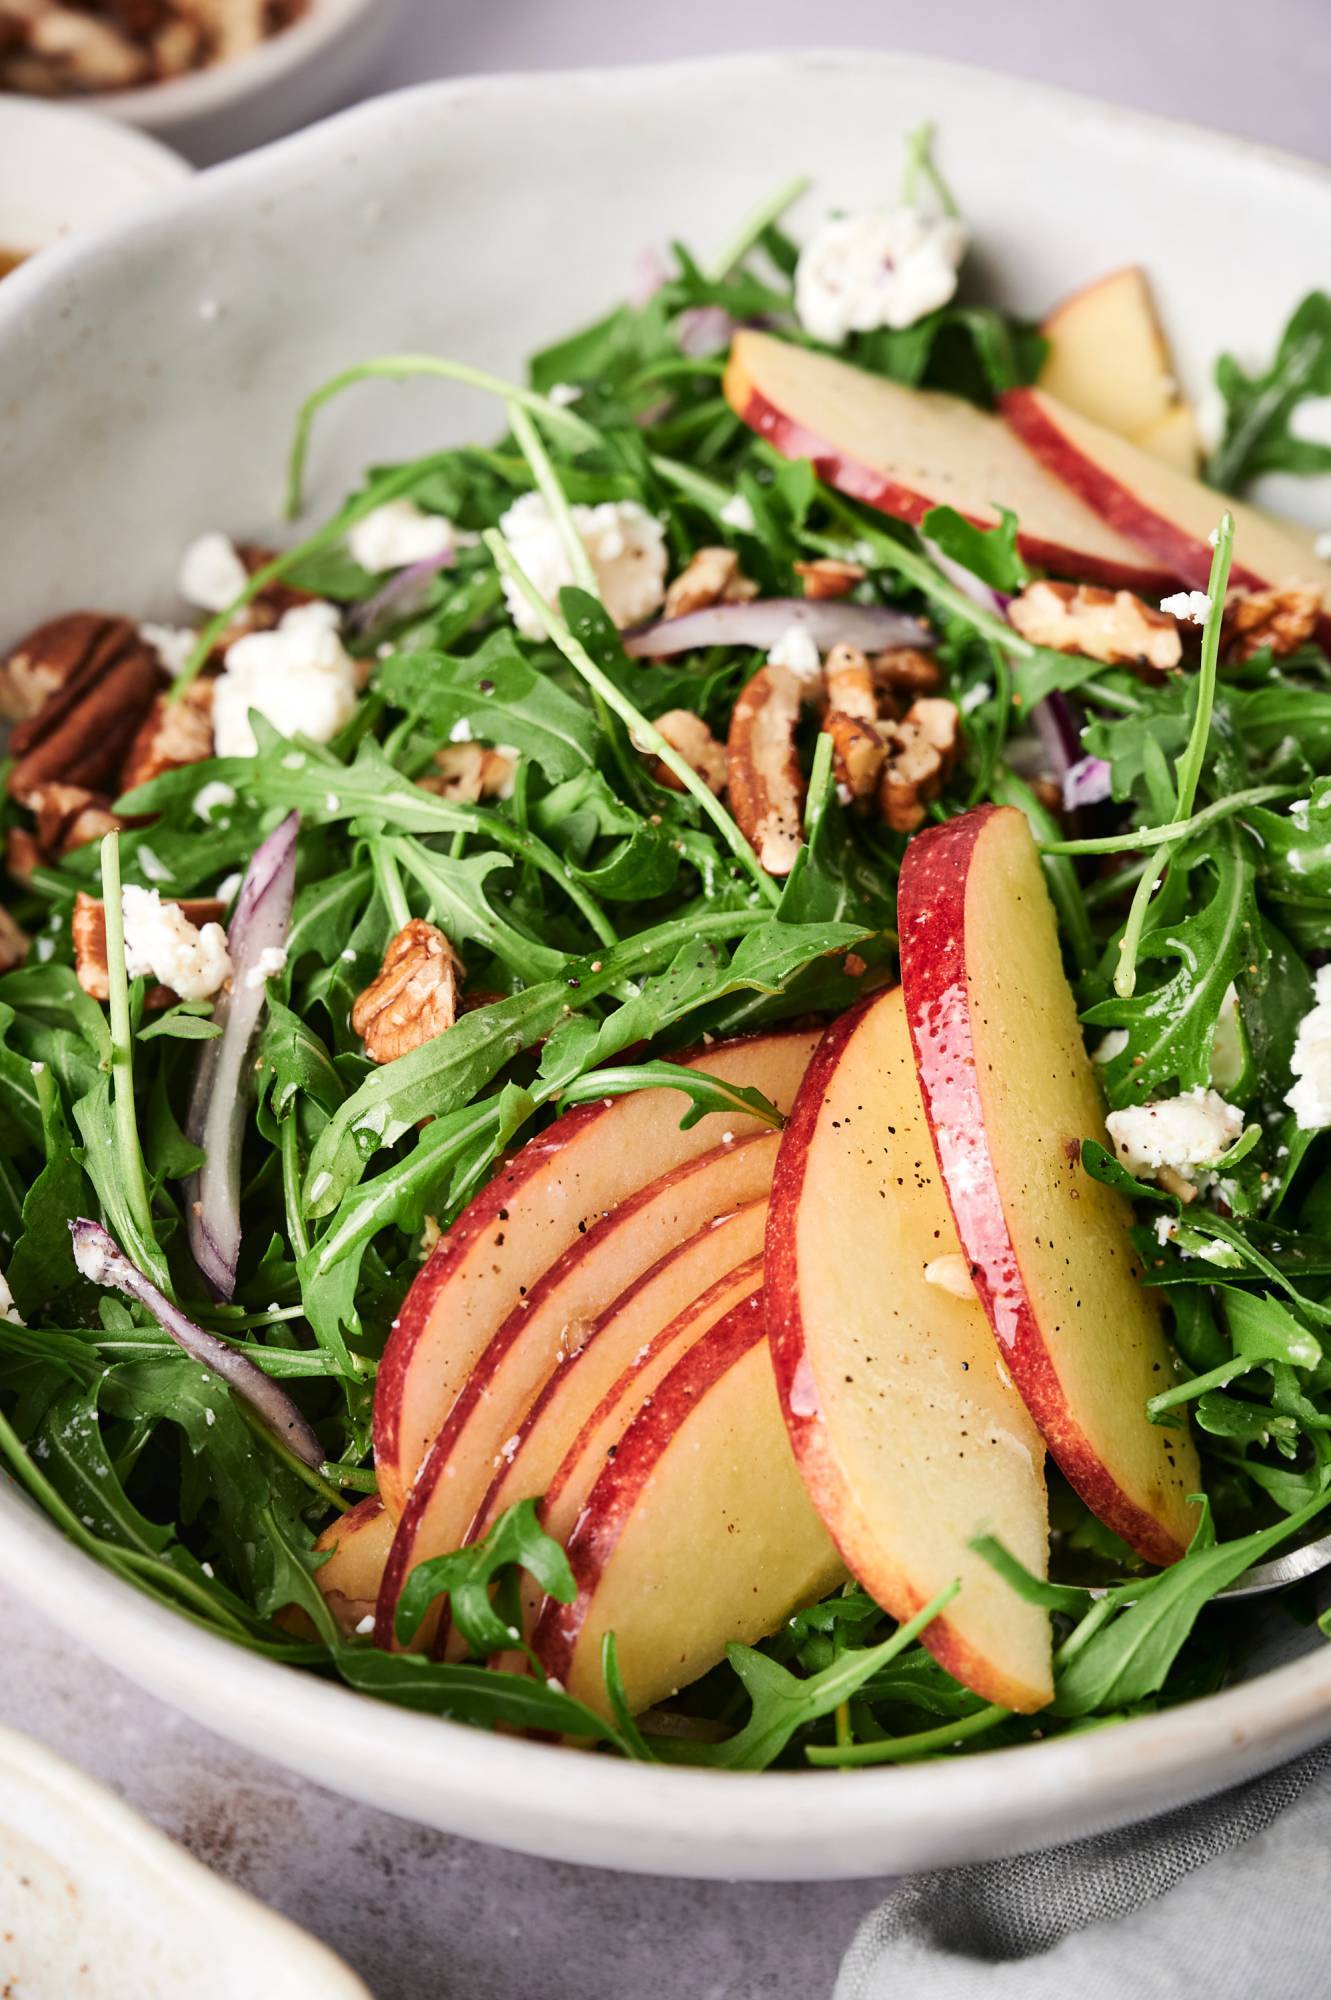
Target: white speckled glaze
column 480, row 219
column 94, row 1901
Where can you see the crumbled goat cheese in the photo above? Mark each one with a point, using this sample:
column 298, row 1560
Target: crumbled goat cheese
column 461, row 731
column 397, row 534
column 271, row 960
column 227, row 888
column 152, row 864
column 1310, row 1098
column 300, row 677
column 365, row 1625
column 1110, row 1046
column 172, row 644
column 626, row 545
column 211, row 573
column 1191, row 1130
column 950, row 1274
column 886, row 268
column 738, row 514
column 1166, row 1229
column 976, row 697
column 561, row 394
column 214, row 797
column 161, row 943
column 796, row 650
column 8, row 1310
column 1194, row 605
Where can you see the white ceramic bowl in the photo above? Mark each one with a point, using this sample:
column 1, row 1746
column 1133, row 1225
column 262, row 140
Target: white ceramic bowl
column 65, row 171
column 297, row 75
column 95, row 1901
column 479, row 219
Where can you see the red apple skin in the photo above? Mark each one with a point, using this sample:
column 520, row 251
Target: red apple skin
column 615, row 1494
column 875, row 489
column 933, row 955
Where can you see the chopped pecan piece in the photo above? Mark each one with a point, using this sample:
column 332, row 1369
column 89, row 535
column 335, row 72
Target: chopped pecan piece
column 171, row 735
column 13, row 942
column 921, row 751
column 905, row 670
column 689, row 735
column 414, row 997
column 1109, row 625
column 849, row 681
column 828, row 576
column 712, row 577
column 87, row 930
column 468, row 772
column 858, row 752
column 22, row 854
column 106, row 678
column 1283, row 618
column 69, row 816
column 764, row 779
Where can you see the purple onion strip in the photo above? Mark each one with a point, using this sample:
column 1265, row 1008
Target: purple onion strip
column 702, row 331
column 762, row 622
column 220, row 1100
column 1088, row 782
column 401, row 595
column 103, row 1264
column 966, row 581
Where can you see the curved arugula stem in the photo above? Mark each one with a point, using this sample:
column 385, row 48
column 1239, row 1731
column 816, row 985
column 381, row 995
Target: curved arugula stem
column 389, row 880
column 550, row 490
column 132, row 1176
column 1174, row 830
column 901, row 1749
column 753, row 226
column 920, row 164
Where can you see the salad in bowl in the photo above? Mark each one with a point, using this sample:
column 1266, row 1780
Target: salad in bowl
column 664, row 1087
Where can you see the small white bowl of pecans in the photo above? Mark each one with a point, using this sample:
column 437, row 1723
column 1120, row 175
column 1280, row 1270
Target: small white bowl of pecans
column 213, row 77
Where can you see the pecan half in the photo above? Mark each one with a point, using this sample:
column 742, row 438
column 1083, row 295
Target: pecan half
column 712, row 577
column 107, row 678
column 413, row 998
column 1283, row 618
column 69, row 816
column 922, row 750
column 13, row 942
column 858, row 752
column 1109, row 625
column 469, row 772
column 905, row 670
column 763, row 775
column 849, row 681
column 828, row 576
column 87, row 930
column 171, row 735
column 22, row 854
column 689, row 735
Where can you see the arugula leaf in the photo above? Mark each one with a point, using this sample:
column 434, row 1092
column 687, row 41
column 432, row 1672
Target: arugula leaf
column 1259, row 435
column 500, row 697
column 989, row 553
column 467, row 1576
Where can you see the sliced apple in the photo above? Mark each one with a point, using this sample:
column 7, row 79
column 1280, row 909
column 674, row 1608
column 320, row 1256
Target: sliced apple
column 911, row 1440
column 1010, row 1094
column 1164, row 511
column 551, row 1323
column 698, row 1532
column 349, row 1580
column 553, row 1192
column 907, row 450
column 1107, row 354
column 1175, row 439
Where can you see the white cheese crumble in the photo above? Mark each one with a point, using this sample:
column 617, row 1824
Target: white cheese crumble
column 8, row 1310
column 950, row 1274
column 561, row 394
column 888, row 267
column 211, row 573
column 1191, row 1130
column 161, row 943
column 227, row 887
column 796, row 650
column 299, row 676
column 1193, row 605
column 1110, row 1046
column 626, row 545
column 214, row 797
column 397, row 534
column 1310, row 1097
column 271, row 960
column 738, row 514
column 365, row 1625
column 172, row 644
column 152, row 864
column 976, row 697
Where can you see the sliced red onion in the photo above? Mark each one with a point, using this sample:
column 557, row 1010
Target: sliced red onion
column 647, row 275
column 1060, row 732
column 829, row 621
column 102, row 1263
column 966, row 581
column 401, row 595
column 220, row 1100
column 702, row 331
column 1088, row 782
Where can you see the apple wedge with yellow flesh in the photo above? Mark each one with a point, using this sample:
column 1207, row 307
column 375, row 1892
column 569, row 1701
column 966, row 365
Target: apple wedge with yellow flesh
column 907, row 450
column 547, row 1326
column 556, row 1190
column 1010, row 1094
column 1107, row 354
column 911, row 1440
column 356, row 1545
column 698, row 1532
column 1166, row 512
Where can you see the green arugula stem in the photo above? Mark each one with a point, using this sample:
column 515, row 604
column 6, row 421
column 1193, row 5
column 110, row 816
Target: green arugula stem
column 389, row 880
column 550, row 490
column 298, row 1236
column 756, row 224
column 144, row 1250
column 920, row 162
column 915, row 567
column 901, row 1749
column 1174, row 830
column 644, row 732
column 712, row 1093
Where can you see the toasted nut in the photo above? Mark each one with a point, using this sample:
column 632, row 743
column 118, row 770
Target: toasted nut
column 106, row 678
column 905, row 670
column 87, row 930
column 827, row 576
column 1109, row 625
column 13, row 942
column 1176, row 1184
column 921, row 751
column 415, row 996
column 471, row 771
column 858, row 752
column 1284, row 619
column 85, row 54
column 171, row 735
column 45, row 660
column 70, row 816
column 763, row 776
column 689, row 735
column 939, row 722
column 712, row 577
column 849, row 680
column 23, row 857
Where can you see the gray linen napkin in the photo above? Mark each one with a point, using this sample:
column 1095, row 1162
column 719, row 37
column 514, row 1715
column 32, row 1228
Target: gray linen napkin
column 1227, row 1900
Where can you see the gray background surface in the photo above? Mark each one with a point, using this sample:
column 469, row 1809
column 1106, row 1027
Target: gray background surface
column 418, row 1914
